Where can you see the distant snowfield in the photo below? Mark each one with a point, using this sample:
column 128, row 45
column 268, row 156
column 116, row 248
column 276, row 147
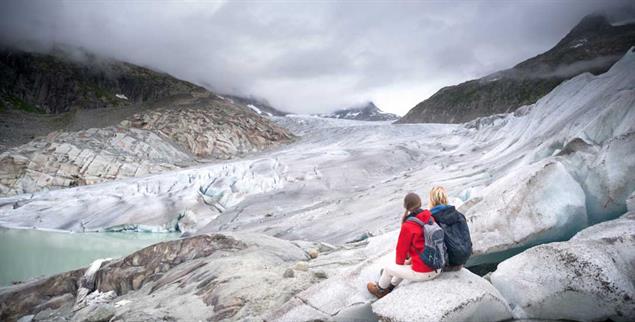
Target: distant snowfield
column 539, row 174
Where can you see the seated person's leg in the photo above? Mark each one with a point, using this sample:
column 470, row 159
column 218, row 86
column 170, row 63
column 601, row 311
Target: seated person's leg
column 393, row 274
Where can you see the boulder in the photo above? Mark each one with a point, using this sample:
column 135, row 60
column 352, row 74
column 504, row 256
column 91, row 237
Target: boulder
column 343, row 296
column 452, row 296
column 589, row 278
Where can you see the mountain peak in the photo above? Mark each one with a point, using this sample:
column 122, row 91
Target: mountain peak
column 366, row 111
column 589, row 24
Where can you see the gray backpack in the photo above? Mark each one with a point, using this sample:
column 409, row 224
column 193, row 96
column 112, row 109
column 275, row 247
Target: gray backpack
column 434, row 253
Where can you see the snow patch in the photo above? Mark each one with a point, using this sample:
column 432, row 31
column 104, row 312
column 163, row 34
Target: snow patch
column 254, row 108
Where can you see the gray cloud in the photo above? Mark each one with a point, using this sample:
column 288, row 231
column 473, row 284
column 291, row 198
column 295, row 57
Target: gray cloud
column 308, row 56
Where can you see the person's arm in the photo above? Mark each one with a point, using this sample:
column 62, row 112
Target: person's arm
column 403, row 244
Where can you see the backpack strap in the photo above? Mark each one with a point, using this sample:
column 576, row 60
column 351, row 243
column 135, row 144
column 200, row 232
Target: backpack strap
column 416, row 220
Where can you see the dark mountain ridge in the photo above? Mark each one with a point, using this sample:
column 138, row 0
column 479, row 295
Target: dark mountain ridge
column 60, row 82
column 593, row 45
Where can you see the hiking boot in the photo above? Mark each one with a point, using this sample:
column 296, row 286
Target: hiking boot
column 379, row 292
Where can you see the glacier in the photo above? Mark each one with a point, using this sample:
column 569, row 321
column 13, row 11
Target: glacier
column 538, row 175
column 346, row 178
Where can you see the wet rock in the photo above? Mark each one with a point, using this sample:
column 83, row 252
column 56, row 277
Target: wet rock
column 589, row 278
column 288, row 273
column 458, row 296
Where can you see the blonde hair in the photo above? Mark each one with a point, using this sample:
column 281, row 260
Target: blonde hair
column 438, row 196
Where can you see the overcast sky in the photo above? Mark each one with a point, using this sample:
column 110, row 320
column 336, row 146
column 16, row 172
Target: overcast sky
column 309, row 56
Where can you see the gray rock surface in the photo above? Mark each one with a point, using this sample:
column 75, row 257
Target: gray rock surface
column 95, row 313
column 452, row 296
column 219, row 130
column 204, row 277
column 150, row 142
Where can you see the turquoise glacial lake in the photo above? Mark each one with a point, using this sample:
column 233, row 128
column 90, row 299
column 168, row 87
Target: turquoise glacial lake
column 25, row 254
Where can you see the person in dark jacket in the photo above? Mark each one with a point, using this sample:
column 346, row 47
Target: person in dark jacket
column 408, row 265
column 454, row 224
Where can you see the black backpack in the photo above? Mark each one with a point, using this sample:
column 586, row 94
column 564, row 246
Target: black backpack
column 457, row 234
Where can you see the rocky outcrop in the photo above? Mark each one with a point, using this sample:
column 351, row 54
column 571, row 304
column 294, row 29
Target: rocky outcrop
column 31, row 298
column 205, row 277
column 365, row 112
column 68, row 159
column 591, row 46
column 219, row 130
column 453, row 296
column 149, row 142
column 589, row 278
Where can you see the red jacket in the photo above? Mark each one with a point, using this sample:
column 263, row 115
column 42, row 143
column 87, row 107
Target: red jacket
column 411, row 243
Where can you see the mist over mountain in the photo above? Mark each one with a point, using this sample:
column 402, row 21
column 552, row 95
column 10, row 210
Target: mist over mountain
column 362, row 112
column 593, row 45
column 395, row 56
column 175, row 161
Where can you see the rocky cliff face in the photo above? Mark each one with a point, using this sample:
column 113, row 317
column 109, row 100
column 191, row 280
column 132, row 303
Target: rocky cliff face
column 591, row 46
column 217, row 129
column 112, row 120
column 365, row 112
column 56, row 83
column 149, row 142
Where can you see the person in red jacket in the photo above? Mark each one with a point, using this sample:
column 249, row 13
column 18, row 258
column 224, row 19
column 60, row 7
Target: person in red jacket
column 408, row 265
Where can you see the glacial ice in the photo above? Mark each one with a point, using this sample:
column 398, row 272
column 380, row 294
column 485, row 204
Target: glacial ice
column 589, row 278
column 535, row 175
